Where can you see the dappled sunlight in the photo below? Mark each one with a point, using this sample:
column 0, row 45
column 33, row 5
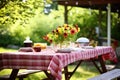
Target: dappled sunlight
column 84, row 72
column 5, row 71
column 7, row 50
column 36, row 76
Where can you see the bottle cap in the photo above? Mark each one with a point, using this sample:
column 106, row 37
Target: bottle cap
column 27, row 40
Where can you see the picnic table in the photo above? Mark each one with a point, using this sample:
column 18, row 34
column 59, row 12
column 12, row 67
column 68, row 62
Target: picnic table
column 49, row 60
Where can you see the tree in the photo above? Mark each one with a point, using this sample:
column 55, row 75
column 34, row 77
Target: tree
column 22, row 21
column 14, row 16
column 18, row 10
column 3, row 3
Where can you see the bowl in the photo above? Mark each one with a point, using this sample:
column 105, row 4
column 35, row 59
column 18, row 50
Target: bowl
column 41, row 45
column 37, row 49
column 82, row 40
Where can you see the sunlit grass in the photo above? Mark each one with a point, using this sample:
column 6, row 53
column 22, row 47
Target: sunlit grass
column 7, row 50
column 5, row 71
column 84, row 72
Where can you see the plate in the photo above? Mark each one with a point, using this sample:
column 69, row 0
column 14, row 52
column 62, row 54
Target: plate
column 64, row 50
column 87, row 47
column 26, row 49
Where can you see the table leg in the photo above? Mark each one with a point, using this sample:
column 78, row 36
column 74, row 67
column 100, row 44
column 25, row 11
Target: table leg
column 93, row 61
column 50, row 77
column 68, row 74
column 102, row 63
column 13, row 74
column 75, row 68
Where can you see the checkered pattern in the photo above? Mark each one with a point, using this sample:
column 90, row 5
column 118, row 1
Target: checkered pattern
column 49, row 60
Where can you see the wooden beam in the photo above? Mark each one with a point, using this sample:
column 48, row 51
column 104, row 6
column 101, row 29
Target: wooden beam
column 87, row 2
column 93, row 4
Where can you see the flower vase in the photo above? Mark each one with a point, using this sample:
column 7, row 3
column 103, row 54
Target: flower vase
column 63, row 44
column 60, row 45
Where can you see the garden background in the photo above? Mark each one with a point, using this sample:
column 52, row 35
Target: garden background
column 19, row 19
column 22, row 18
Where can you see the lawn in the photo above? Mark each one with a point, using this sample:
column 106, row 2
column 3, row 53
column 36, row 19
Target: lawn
column 85, row 71
column 7, row 49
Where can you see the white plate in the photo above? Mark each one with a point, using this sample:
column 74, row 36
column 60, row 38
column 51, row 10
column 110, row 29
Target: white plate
column 64, row 50
column 87, row 47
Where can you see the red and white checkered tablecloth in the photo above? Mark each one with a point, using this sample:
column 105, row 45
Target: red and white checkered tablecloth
column 49, row 60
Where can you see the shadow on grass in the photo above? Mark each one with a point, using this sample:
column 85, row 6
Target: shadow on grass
column 36, row 76
column 86, row 70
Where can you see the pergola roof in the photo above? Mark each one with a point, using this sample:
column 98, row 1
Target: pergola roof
column 93, row 4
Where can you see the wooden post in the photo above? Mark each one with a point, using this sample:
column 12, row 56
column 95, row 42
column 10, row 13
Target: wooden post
column 66, row 15
column 109, row 25
column 100, row 19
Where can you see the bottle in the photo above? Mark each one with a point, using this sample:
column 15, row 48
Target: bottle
column 27, row 42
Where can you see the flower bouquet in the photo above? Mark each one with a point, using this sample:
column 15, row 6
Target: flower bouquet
column 62, row 34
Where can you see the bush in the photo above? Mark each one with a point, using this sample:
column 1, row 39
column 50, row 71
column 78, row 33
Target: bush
column 5, row 36
column 42, row 25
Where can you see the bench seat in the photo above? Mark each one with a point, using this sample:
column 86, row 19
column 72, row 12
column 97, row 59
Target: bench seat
column 113, row 74
column 20, row 75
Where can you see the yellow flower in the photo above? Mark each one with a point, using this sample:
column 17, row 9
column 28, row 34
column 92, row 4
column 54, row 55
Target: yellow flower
column 59, row 30
column 65, row 25
column 56, row 36
column 62, row 33
column 78, row 29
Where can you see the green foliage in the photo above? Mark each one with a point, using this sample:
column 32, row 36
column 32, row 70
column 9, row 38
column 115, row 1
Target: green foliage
column 12, row 35
column 19, row 19
column 18, row 33
column 19, row 10
column 27, row 19
column 5, row 35
column 16, row 14
column 116, row 32
column 86, row 21
column 42, row 24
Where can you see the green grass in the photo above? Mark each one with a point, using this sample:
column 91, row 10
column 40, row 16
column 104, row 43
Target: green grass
column 7, row 50
column 86, row 70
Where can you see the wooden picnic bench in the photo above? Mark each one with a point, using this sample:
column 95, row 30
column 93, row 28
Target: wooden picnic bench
column 20, row 75
column 110, row 75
